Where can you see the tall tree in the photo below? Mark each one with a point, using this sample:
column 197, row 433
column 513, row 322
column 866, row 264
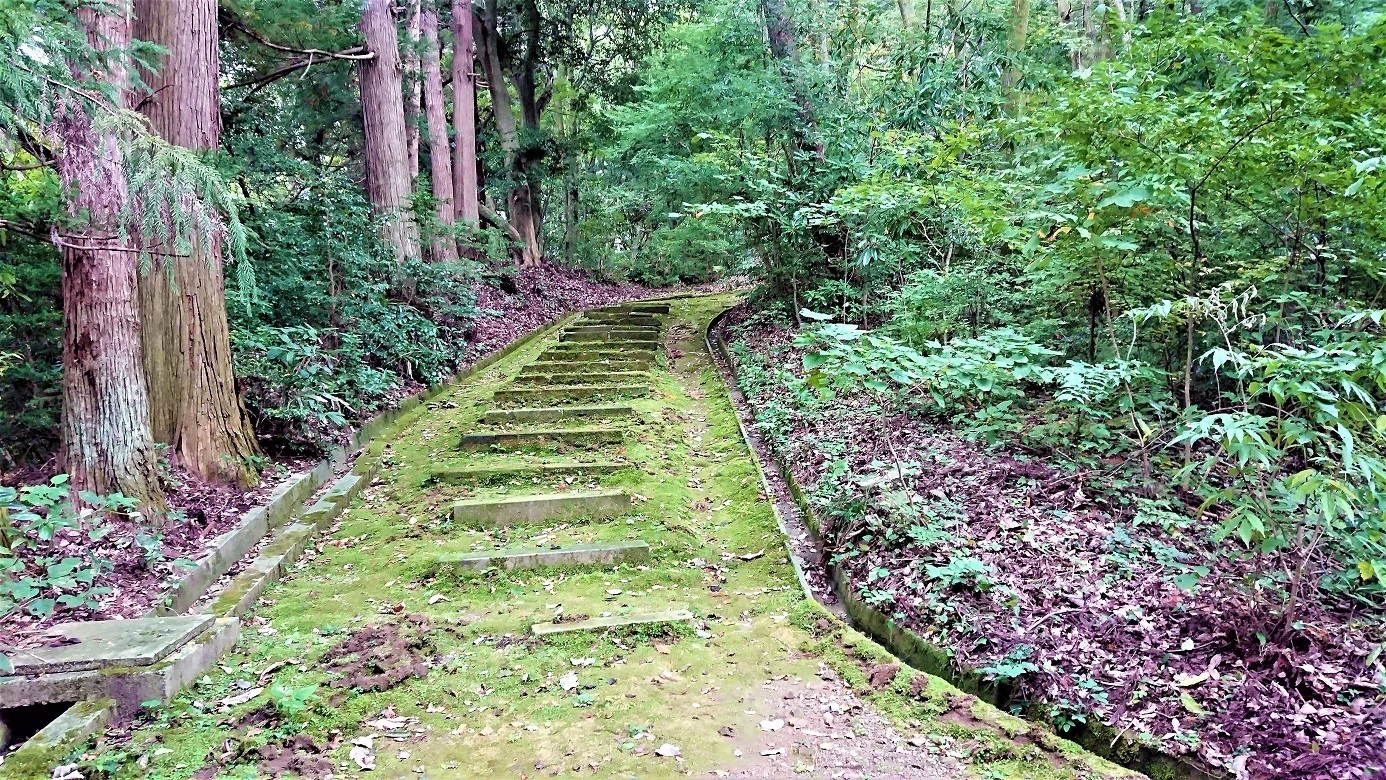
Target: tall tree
column 439, row 158
column 186, row 341
column 106, row 446
column 413, row 95
column 779, row 28
column 464, row 113
column 1015, row 48
column 386, row 146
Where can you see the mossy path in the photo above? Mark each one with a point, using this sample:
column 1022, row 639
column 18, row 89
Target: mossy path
column 675, row 638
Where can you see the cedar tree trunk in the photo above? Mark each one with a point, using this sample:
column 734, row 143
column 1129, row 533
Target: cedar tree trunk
column 382, row 114
column 187, row 344
column 439, row 158
column 464, row 114
column 106, row 447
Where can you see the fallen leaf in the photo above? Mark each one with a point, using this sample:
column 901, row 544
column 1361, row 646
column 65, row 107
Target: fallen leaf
column 668, row 751
column 752, row 556
column 1190, row 704
column 242, row 698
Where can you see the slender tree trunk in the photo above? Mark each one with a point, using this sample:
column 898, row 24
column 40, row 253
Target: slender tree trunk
column 907, row 17
column 464, row 113
column 186, row 339
column 382, row 113
column 413, row 96
column 779, row 28
column 1015, row 48
column 106, row 446
column 439, row 157
column 520, row 200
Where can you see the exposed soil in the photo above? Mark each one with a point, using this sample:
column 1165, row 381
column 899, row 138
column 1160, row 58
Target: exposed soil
column 1078, row 583
column 382, row 655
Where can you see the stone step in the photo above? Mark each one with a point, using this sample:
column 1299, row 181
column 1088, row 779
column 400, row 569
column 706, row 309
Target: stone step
column 511, row 471
column 587, row 353
column 569, row 393
column 638, row 306
column 518, row 440
column 599, row 554
column 623, row 346
column 619, row 318
column 552, row 413
column 614, row 621
column 641, row 330
column 629, row 337
column 572, row 366
column 582, row 377
column 513, row 510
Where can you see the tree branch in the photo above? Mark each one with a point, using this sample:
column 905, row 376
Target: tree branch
column 354, row 53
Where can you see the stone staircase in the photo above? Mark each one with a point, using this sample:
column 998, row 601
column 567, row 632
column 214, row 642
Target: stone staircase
column 569, row 411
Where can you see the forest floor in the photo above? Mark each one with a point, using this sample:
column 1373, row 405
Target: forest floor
column 511, row 305
column 374, row 655
column 1061, row 580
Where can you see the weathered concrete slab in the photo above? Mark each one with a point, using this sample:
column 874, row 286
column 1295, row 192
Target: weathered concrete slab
column 552, row 413
column 515, row 440
column 590, row 352
column 610, row 336
column 37, row 757
column 577, row 365
column 130, row 686
column 648, row 308
column 587, row 326
column 510, row 471
column 103, row 644
column 596, row 377
column 568, row 393
column 614, row 621
column 511, row 510
column 619, row 318
column 600, row 554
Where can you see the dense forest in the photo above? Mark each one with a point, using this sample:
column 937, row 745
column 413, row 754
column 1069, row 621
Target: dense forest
column 1141, row 243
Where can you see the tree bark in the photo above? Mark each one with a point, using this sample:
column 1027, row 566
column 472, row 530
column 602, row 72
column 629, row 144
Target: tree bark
column 1015, row 48
column 779, row 30
column 464, row 114
column 382, row 113
column 521, row 199
column 439, row 156
column 185, row 335
column 413, row 96
column 106, row 447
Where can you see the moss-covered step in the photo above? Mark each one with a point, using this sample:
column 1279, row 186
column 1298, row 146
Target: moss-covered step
column 629, row 337
column 518, row 440
column 103, row 644
column 618, row 346
column 609, row 327
column 599, row 554
column 613, row 621
column 552, row 413
column 619, row 318
column 573, row 366
column 594, row 377
column 513, row 510
column 529, row 395
column 643, row 308
column 514, row 470
column 590, row 354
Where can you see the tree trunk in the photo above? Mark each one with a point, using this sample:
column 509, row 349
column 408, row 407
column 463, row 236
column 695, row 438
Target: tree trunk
column 413, row 97
column 106, row 447
column 907, row 17
column 779, row 29
column 382, row 113
column 439, row 157
column 1015, row 48
column 520, row 201
column 193, row 406
column 464, row 114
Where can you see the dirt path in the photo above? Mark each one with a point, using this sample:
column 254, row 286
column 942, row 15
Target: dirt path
column 424, row 668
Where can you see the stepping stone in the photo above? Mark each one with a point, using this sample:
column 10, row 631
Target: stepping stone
column 569, row 393
column 567, row 366
column 514, row 440
column 485, row 473
column 552, row 413
column 577, row 378
column 614, row 621
column 601, row 554
column 105, row 644
column 511, row 510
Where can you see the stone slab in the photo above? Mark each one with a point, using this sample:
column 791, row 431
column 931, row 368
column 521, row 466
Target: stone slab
column 569, row 393
column 570, row 366
column 512, row 510
column 604, row 554
column 610, row 336
column 484, row 473
column 624, row 346
column 582, row 377
column 129, row 686
column 618, row 318
column 552, row 413
column 614, row 621
column 102, row 644
column 651, row 308
column 479, row 440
